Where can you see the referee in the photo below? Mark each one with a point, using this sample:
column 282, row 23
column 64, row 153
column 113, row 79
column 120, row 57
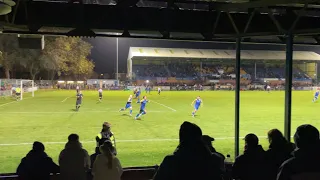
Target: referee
column 106, row 135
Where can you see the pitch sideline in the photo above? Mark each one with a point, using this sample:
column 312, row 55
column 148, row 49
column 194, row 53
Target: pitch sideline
column 66, row 99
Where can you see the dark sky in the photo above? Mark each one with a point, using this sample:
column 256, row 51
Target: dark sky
column 104, row 50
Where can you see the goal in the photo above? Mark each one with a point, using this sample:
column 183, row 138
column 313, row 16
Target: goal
column 27, row 86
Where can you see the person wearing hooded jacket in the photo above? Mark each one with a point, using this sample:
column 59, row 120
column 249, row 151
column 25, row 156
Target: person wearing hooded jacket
column 37, row 164
column 191, row 160
column 279, row 151
column 74, row 161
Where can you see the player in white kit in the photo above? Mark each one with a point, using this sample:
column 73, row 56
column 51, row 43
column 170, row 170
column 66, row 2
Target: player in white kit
column 159, row 90
column 100, row 94
column 77, row 88
column 268, row 88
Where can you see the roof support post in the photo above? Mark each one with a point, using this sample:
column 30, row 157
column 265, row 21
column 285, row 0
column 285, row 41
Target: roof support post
column 237, row 98
column 288, row 86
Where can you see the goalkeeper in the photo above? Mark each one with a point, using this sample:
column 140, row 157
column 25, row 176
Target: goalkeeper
column 106, row 135
column 18, row 93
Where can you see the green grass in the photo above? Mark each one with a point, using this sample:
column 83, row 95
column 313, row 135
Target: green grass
column 46, row 118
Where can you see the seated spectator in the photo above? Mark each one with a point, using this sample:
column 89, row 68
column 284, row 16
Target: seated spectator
column 305, row 163
column 36, row 164
column 208, row 141
column 191, row 160
column 74, row 160
column 251, row 165
column 107, row 166
column 94, row 156
column 279, row 151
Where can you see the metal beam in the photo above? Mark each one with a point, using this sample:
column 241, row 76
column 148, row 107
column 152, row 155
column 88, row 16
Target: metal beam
column 237, row 98
column 44, row 14
column 288, row 86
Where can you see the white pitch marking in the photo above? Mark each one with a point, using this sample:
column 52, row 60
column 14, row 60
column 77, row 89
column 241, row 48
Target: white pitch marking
column 13, row 102
column 63, row 112
column 128, row 140
column 164, row 105
column 66, row 98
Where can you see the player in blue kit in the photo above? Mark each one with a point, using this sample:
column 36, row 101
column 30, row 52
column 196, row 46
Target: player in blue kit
column 138, row 92
column 128, row 105
column 197, row 103
column 142, row 107
column 316, row 95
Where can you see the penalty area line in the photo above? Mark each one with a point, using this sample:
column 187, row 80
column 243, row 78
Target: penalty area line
column 13, row 102
column 128, row 140
column 164, row 106
column 66, row 99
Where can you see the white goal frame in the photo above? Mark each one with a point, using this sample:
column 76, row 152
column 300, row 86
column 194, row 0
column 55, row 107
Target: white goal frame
column 22, row 90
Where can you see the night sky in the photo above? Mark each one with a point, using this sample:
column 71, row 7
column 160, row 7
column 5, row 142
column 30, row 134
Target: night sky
column 104, row 50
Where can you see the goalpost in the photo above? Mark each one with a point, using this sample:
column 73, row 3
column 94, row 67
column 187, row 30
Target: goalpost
column 27, row 86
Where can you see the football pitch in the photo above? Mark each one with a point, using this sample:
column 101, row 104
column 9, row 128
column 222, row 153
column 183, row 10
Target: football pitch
column 49, row 117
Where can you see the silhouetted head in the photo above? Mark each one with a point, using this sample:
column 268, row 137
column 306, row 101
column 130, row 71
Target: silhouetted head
column 190, row 132
column 275, row 136
column 306, row 136
column 251, row 140
column 73, row 138
column 38, row 147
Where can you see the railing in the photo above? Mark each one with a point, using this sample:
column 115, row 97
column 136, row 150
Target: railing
column 130, row 173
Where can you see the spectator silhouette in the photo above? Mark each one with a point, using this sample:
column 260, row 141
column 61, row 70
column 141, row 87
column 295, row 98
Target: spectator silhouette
column 191, row 160
column 107, row 166
column 304, row 165
column 208, row 141
column 94, row 156
column 279, row 151
column 36, row 165
column 74, row 160
column 251, row 165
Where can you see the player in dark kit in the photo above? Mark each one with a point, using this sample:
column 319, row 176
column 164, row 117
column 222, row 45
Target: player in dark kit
column 79, row 100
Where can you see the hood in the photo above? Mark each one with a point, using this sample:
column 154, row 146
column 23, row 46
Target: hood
column 73, row 145
column 34, row 154
column 194, row 149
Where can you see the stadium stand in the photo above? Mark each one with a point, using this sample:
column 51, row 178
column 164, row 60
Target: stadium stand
column 176, row 66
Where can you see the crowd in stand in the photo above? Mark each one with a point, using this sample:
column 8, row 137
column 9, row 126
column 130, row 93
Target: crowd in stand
column 212, row 71
column 194, row 158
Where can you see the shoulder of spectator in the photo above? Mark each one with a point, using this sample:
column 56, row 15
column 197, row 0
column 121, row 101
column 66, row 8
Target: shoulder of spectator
column 284, row 172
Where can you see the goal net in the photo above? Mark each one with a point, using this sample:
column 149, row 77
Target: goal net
column 27, row 89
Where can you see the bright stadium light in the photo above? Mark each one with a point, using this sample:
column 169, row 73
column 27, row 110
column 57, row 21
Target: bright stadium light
column 147, row 81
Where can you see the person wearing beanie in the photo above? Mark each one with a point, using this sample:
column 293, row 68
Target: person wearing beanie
column 192, row 159
column 36, row 165
column 304, row 164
